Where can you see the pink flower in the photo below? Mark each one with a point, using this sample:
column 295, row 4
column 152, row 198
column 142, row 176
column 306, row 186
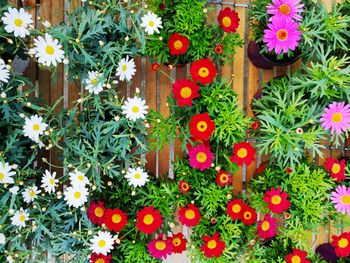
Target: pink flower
column 282, row 35
column 160, row 248
column 200, row 157
column 336, row 117
column 267, row 227
column 341, row 199
column 284, row 9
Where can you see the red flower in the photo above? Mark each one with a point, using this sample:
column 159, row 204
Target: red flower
column 342, row 244
column 160, row 248
column 161, row 6
column 228, row 20
column 219, row 49
column 184, row 187
column 223, row 178
column 336, row 168
column 267, row 227
column 277, row 200
column 178, row 44
column 297, row 256
column 255, row 125
column 243, row 153
column 185, row 91
column 100, row 258
column 179, row 243
column 96, row 213
column 249, row 215
column 203, row 71
column 201, row 126
column 115, row 219
column 155, row 66
column 289, row 170
column 148, row 220
column 190, row 215
column 260, row 169
column 235, row 209
column 213, row 246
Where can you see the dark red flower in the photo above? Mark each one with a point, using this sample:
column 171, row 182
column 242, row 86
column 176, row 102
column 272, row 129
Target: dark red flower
column 184, row 187
column 260, row 169
column 255, row 125
column 148, row 220
column 96, row 212
column 201, row 126
column 213, row 246
column 185, row 91
column 179, row 243
column 289, row 170
column 223, row 178
column 203, row 71
column 155, row 66
column 228, row 20
column 243, row 153
column 178, row 44
column 161, row 6
column 100, row 258
column 116, row 219
column 219, row 49
column 336, row 168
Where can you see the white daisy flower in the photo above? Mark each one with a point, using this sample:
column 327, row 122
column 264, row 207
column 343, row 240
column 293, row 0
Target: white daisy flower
column 6, row 173
column 4, row 72
column 135, row 108
column 102, row 243
column 78, row 178
column 126, row 69
column 19, row 218
column 136, row 177
column 76, row 195
column 30, row 194
column 34, row 127
column 48, row 51
column 2, row 239
column 93, row 83
column 17, row 22
column 151, row 22
column 49, row 182
column 14, row 190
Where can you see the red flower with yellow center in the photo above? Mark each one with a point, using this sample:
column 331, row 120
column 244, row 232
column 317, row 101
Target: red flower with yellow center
column 235, row 209
column 116, row 219
column 228, row 20
column 184, row 92
column 178, row 44
column 248, row 215
column 267, row 227
column 203, row 71
column 160, row 248
column 341, row 244
column 201, row 126
column 219, row 49
column 184, row 187
column 155, row 66
column 190, row 215
column 223, row 178
column 243, row 153
column 336, row 168
column 213, row 247
column 96, row 212
column 179, row 243
column 277, row 200
column 148, row 220
column 298, row 256
column 100, row 258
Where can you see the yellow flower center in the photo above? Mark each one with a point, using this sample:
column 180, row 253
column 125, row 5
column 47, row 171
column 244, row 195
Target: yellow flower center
column 151, row 23
column 226, row 21
column 77, row 195
column 276, row 200
column 99, row 212
column 242, row 153
column 186, row 92
column 160, row 245
column 81, row 177
column 337, row 117
column 224, row 178
column 22, row 218
column 247, row 215
column 296, row 259
column 135, row 109
column 50, row 50
column 101, row 243
column 203, row 72
column 282, row 34
column 189, row 214
column 335, row 168
column 52, row 181
column 93, row 81
column 201, row 157
column 31, row 193
column 18, row 22
column 148, row 219
column 124, row 68
column 116, row 218
column 184, row 186
column 202, row 126
column 236, row 208
column 176, row 242
column 212, row 244
column 345, row 199
column 284, row 9
column 178, row 44
column 342, row 243
column 265, row 226
column 2, row 176
column 36, row 127
column 137, row 176
column 100, row 260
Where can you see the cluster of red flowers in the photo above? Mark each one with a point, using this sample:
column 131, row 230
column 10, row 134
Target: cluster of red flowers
column 336, row 168
column 162, row 247
column 341, row 244
column 238, row 210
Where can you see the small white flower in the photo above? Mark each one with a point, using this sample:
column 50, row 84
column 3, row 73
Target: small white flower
column 78, row 178
column 135, row 108
column 126, row 69
column 19, row 218
column 10, row 259
column 34, row 127
column 14, row 190
column 93, row 82
column 31, row 52
column 76, row 195
column 46, row 24
column 17, row 22
column 4, row 72
column 151, row 22
column 48, row 51
column 136, row 177
column 102, row 243
column 49, row 182
column 6, row 173
column 30, row 194
column 2, row 239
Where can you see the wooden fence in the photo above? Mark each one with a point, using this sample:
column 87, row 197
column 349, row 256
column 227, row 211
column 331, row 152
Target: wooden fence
column 155, row 87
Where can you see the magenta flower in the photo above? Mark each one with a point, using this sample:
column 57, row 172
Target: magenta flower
column 341, row 199
column 160, row 248
column 284, row 9
column 282, row 35
column 200, row 157
column 336, row 117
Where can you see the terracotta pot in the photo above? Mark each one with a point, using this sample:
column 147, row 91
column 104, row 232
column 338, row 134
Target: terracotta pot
column 267, row 62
